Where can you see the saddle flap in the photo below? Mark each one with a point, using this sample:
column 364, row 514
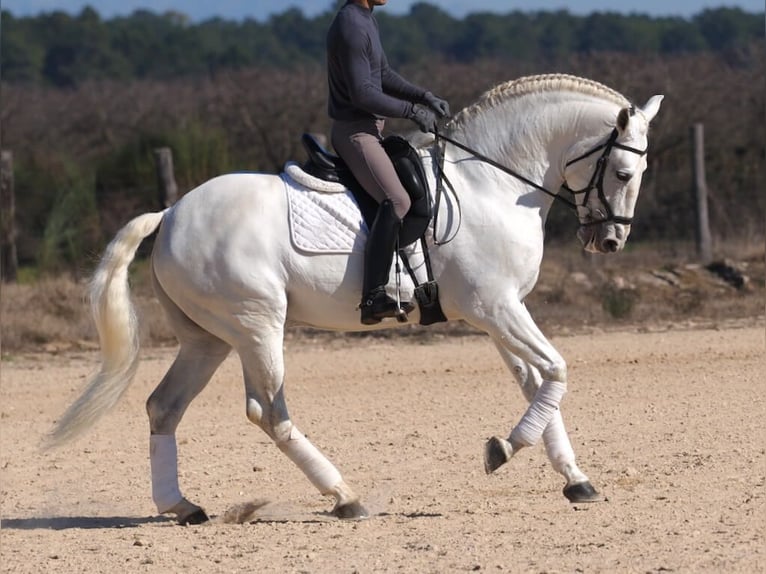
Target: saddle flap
column 327, row 166
column 408, row 166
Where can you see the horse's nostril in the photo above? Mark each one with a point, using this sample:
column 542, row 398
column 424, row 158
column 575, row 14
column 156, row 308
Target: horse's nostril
column 610, row 245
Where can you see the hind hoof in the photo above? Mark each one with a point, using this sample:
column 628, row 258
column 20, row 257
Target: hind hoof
column 582, row 492
column 187, row 513
column 351, row 511
column 197, row 517
column 497, row 452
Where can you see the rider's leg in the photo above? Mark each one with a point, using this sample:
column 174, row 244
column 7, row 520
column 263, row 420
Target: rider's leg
column 359, row 145
column 378, row 254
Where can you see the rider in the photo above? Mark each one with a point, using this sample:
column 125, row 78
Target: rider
column 363, row 90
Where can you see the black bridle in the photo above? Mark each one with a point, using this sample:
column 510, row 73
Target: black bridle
column 596, row 181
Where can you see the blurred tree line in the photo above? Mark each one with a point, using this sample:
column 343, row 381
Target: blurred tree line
column 94, row 98
column 62, row 50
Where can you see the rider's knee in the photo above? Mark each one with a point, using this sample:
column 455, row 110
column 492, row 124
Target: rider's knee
column 401, row 205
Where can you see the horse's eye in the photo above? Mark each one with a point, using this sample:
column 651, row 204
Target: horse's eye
column 624, row 175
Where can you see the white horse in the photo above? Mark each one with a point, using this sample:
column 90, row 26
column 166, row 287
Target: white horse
column 229, row 277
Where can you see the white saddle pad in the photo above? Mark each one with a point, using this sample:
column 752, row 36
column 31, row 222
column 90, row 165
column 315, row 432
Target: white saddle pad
column 326, row 221
column 329, row 221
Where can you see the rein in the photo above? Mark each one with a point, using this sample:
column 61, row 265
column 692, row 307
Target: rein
column 596, row 181
column 509, row 171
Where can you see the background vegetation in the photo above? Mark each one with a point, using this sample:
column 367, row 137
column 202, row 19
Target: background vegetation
column 86, row 100
column 62, row 50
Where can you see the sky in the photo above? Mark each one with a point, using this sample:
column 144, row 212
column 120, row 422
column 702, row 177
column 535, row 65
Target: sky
column 199, row 10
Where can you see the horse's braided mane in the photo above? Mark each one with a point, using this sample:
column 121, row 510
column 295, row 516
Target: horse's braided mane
column 539, row 84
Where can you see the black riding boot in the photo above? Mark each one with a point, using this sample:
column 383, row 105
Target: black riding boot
column 378, row 255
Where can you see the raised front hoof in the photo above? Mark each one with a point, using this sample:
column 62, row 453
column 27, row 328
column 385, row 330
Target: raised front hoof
column 497, row 452
column 350, row 511
column 199, row 516
column 582, row 492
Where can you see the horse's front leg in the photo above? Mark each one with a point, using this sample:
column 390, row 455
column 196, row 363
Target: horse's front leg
column 510, row 325
column 557, row 444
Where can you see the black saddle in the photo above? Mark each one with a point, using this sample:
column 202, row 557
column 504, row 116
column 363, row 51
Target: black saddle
column 325, row 165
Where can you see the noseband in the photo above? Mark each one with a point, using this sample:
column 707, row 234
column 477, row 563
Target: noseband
column 596, row 181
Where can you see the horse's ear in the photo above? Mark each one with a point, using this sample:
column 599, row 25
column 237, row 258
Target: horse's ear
column 651, row 107
column 624, row 117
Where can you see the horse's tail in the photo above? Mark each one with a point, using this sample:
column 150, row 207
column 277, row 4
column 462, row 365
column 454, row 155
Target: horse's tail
column 115, row 320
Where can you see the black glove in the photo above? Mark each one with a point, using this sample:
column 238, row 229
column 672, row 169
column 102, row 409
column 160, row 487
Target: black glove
column 438, row 105
column 424, row 117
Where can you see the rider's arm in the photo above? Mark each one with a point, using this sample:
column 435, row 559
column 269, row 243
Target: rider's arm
column 398, row 87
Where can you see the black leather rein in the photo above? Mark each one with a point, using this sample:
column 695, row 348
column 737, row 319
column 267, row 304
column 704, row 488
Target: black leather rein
column 596, row 180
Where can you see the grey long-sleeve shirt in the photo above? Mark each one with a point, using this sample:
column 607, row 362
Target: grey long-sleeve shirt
column 361, row 83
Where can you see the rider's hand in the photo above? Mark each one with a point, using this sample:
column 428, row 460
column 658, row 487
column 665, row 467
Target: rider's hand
column 437, row 104
column 424, row 117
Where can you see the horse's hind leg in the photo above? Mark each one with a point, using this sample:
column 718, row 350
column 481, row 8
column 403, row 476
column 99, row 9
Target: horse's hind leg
column 199, row 356
column 263, row 368
column 557, row 445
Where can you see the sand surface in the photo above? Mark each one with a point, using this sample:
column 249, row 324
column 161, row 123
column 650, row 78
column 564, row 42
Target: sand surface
column 668, row 425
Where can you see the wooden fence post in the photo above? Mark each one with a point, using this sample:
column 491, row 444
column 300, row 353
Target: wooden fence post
column 704, row 241
column 8, row 258
column 166, row 179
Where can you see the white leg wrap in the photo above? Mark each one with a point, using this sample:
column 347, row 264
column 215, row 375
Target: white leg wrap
column 539, row 414
column 557, row 444
column 320, row 471
column 560, row 452
column 163, row 455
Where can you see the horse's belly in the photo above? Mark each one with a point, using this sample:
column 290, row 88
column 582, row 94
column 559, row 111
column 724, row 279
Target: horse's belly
column 324, row 291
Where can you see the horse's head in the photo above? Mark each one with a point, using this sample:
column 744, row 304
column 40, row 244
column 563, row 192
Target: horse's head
column 606, row 177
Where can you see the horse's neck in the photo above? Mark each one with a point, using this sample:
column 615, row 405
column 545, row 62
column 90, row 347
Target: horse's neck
column 511, row 145
column 530, row 137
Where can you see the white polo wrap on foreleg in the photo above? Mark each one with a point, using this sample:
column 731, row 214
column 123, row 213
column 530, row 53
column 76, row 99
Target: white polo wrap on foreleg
column 540, row 412
column 163, row 455
column 557, row 444
column 320, row 471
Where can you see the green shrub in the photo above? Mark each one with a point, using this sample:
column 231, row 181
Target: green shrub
column 618, row 302
column 72, row 228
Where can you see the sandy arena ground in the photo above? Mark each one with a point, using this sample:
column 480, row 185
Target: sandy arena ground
column 668, row 424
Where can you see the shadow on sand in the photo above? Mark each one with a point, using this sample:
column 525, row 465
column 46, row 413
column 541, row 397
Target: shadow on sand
column 238, row 514
column 85, row 522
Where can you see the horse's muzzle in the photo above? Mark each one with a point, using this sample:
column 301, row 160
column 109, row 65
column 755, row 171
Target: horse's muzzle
column 602, row 238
